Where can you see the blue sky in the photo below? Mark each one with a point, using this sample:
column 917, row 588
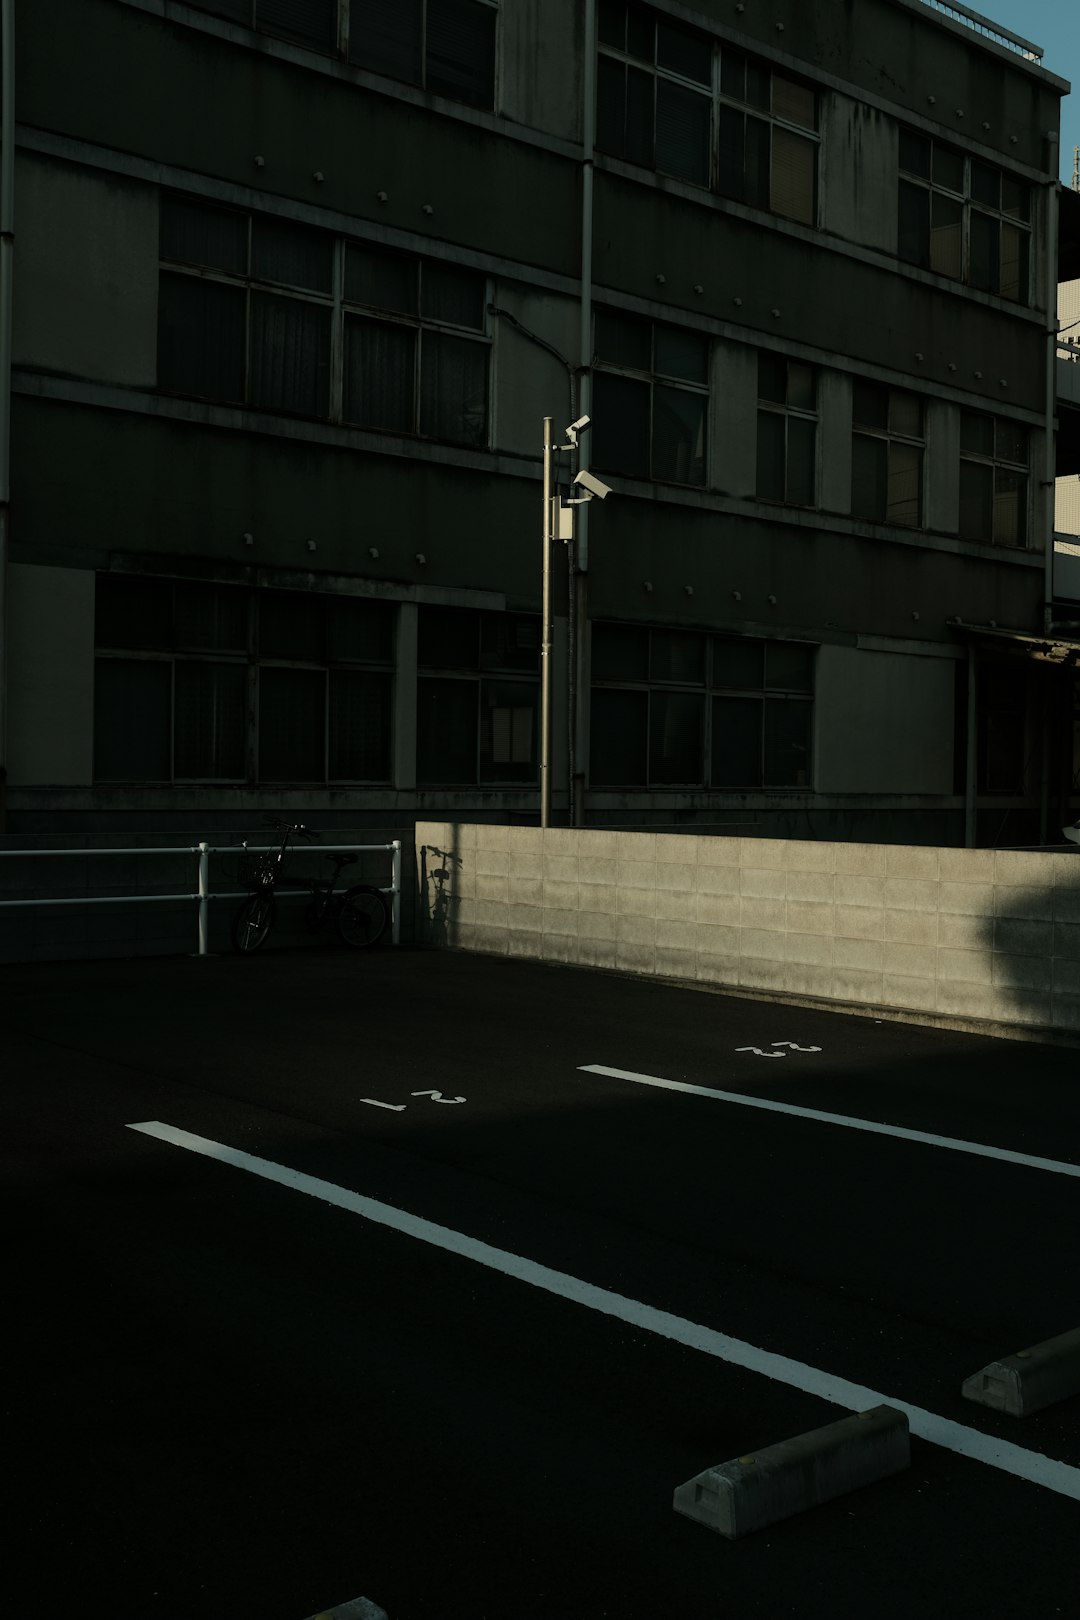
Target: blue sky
column 1055, row 25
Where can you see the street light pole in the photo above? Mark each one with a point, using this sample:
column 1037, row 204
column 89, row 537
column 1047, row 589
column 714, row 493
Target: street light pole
column 545, row 639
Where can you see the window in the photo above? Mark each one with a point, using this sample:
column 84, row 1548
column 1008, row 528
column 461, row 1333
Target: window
column 671, row 99
column 477, row 697
column 218, row 683
column 787, row 430
column 963, row 218
column 651, row 395
column 993, row 479
column 1002, row 703
column 416, row 360
column 678, row 708
column 886, row 455
column 247, row 307
column 445, row 46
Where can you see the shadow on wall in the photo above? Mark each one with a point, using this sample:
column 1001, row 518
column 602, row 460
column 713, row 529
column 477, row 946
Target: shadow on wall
column 1031, row 947
column 436, row 914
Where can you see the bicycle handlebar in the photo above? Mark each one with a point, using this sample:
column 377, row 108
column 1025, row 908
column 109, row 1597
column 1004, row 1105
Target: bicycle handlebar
column 291, row 827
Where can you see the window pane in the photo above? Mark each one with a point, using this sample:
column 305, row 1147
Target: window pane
column 802, row 386
column 789, row 666
column 914, row 154
column 617, row 738
column 620, row 652
column 510, row 641
column 1011, row 441
column 290, row 355
column 192, row 233
column 756, row 189
column 913, row 243
column 678, row 435
column 1013, row 278
column 448, row 638
column 905, row 413
column 793, row 161
column 461, row 51
column 800, row 469
column 381, row 280
column 731, row 152
column 452, row 295
column 787, row 744
column 292, row 626
column 290, row 254
column 611, row 23
column 620, row 429
column 977, row 433
column 733, row 73
column 446, row 731
column 132, row 612
column 675, row 737
column 677, row 655
column 679, row 353
column 313, row 22
column 638, row 139
column 946, row 243
column 905, row 485
column 984, row 251
column 976, row 501
column 359, row 726
column 772, row 378
column 610, row 106
column 453, row 388
column 292, row 725
column 508, row 731
column 736, row 742
column 380, row 375
column 201, row 337
column 868, row 463
column 211, row 618
column 621, row 340
column 683, row 132
column 132, row 700
column 640, row 33
column 360, row 630
column 211, row 720
column 985, row 184
column 757, row 86
column 738, row 661
column 687, row 54
column 1015, row 198
column 870, row 404
column 385, row 38
column 948, row 169
column 1010, row 500
column 771, row 455
column 793, row 102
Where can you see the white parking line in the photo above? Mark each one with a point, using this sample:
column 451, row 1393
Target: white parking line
column 1029, row 1465
column 1060, row 1167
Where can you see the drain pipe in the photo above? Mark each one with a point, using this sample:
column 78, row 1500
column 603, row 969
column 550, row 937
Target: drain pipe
column 1050, row 400
column 579, row 560
column 7, row 268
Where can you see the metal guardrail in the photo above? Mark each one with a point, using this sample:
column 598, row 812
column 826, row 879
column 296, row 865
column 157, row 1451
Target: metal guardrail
column 990, row 30
column 203, row 895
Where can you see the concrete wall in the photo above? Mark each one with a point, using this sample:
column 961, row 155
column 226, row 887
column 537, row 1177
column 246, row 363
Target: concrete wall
column 51, row 673
column 884, row 722
column 944, row 933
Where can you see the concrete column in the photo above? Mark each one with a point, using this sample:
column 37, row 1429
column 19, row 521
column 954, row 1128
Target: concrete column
column 942, row 485
column 733, row 429
column 834, row 440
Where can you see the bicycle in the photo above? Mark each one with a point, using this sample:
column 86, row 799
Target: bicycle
column 361, row 912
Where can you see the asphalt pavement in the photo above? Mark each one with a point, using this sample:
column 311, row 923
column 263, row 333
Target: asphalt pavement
column 429, row 1276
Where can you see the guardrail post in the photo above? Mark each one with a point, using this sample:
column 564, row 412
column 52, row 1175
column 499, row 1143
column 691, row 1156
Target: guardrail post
column 395, row 907
column 204, row 899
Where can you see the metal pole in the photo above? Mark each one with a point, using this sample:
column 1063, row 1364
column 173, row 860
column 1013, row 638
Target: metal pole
column 970, row 772
column 545, row 640
column 204, row 899
column 7, row 271
column 395, row 904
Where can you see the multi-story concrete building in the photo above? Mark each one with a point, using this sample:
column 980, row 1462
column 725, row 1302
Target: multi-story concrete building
column 297, row 282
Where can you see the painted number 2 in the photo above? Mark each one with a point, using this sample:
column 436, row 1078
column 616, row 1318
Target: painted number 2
column 437, row 1096
column 791, row 1045
column 399, row 1108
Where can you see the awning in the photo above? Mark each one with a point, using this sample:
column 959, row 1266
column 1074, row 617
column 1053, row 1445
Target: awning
column 1062, row 650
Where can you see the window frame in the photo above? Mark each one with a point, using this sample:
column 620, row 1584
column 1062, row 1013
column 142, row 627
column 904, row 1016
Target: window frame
column 971, row 208
column 790, row 412
column 999, row 462
column 654, row 379
column 486, row 672
column 891, row 437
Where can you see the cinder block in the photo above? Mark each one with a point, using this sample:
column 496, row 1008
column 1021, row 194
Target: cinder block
column 676, row 849
column 810, row 885
column 675, row 964
column 810, row 917
column 677, row 933
column 636, row 846
column 765, row 914
column 768, row 882
column 966, row 865
column 1067, row 941
column 636, row 902
column 861, row 860
column 634, row 958
column 959, row 999
column 596, row 844
column 1022, row 972
column 859, row 922
column 675, row 875
column 1024, row 866
column 636, row 874
column 856, row 889
column 719, row 940
column 596, row 953
column 911, row 927
column 1030, row 1379
column 722, row 850
column 491, row 835
column 1034, row 904
column 911, row 861
column 525, row 839
column 725, row 909
column 560, row 896
column 491, row 862
column 904, row 990
column 858, row 984
column 1067, row 902
column 867, row 955
column 761, row 852
column 1024, row 937
column 633, row 930
column 809, row 855
column 598, row 869
column 966, row 899
column 911, row 894
column 758, row 973
column 964, row 967
column 492, row 887
column 717, row 879
column 751, row 1492
column 717, row 969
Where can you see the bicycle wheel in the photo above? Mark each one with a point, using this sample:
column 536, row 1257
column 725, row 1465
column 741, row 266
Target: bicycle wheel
column 363, row 917
column 253, row 922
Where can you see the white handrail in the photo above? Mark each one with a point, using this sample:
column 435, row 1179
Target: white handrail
column 203, row 894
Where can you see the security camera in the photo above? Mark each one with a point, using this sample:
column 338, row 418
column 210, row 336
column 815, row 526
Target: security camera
column 582, row 422
column 592, row 485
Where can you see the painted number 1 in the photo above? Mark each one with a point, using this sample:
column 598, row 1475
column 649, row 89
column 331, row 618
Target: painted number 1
column 791, row 1045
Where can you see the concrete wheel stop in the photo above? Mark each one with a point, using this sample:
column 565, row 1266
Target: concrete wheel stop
column 1030, row 1379
column 751, row 1492
column 360, row 1608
